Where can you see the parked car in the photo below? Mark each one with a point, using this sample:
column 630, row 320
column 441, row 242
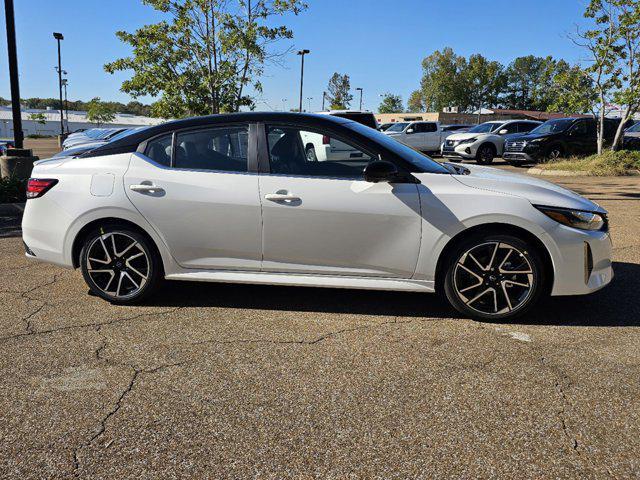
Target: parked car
column 558, row 138
column 384, row 126
column 5, row 144
column 421, row 135
column 485, row 141
column 631, row 139
column 321, row 148
column 76, row 150
column 92, row 135
column 233, row 198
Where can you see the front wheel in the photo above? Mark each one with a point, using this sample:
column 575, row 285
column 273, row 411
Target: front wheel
column 494, row 277
column 486, row 154
column 120, row 265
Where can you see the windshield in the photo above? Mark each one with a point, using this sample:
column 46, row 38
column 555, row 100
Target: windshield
column 552, row 126
column 126, row 133
column 421, row 162
column 485, row 127
column 635, row 128
column 397, row 127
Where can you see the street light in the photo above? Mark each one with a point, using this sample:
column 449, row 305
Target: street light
column 309, row 100
column 58, row 37
column 324, row 95
column 360, row 90
column 302, row 53
column 284, row 104
column 65, row 82
column 18, row 135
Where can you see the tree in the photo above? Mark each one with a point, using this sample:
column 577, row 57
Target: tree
column 484, row 81
column 100, row 112
column 628, row 95
column 442, row 83
column 391, row 104
column 601, row 43
column 528, row 81
column 415, row 103
column 201, row 59
column 572, row 91
column 38, row 118
column 338, row 92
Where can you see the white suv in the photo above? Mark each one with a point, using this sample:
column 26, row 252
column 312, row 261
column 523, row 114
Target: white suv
column 484, row 142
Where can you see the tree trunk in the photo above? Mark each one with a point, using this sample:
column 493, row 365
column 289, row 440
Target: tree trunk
column 623, row 119
column 601, row 116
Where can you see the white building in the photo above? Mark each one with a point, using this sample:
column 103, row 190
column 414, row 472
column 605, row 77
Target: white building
column 76, row 121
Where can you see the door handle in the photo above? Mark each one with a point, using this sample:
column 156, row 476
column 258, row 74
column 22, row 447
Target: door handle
column 281, row 197
column 146, row 188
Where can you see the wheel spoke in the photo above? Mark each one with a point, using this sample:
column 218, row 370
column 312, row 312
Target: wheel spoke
column 131, row 245
column 104, row 262
column 134, row 270
column 512, row 282
column 131, row 279
column 506, row 296
column 480, row 295
column 119, row 284
column 479, row 277
column 104, row 247
column 133, row 257
column 477, row 263
column 493, row 256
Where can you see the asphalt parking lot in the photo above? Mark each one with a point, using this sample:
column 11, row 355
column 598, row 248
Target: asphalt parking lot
column 237, row 381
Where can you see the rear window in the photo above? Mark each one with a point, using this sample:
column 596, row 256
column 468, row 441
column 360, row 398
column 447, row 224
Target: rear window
column 367, row 119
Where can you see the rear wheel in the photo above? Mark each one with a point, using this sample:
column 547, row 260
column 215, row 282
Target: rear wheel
column 494, row 277
column 486, row 153
column 120, row 265
column 311, row 154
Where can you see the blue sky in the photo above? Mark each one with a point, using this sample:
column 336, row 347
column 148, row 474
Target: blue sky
column 379, row 43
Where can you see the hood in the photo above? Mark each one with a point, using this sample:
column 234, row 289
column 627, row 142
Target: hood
column 537, row 191
column 466, row 135
column 531, row 136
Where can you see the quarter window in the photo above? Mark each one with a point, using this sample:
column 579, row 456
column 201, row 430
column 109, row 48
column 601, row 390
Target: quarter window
column 220, row 148
column 159, row 150
column 293, row 151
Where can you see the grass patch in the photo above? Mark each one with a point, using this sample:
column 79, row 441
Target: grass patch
column 12, row 190
column 609, row 164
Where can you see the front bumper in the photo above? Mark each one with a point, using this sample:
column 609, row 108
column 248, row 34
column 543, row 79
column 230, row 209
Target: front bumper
column 581, row 260
column 464, row 150
column 518, row 157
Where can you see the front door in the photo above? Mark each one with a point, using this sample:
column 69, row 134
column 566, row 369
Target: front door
column 323, row 218
column 200, row 198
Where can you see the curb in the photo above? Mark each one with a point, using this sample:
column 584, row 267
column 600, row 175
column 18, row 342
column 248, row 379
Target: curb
column 11, row 209
column 577, row 173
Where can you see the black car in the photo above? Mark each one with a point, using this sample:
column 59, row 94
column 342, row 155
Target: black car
column 561, row 137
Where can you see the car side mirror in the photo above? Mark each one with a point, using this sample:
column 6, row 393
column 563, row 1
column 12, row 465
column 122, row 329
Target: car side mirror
column 380, row 171
column 504, row 131
column 409, row 130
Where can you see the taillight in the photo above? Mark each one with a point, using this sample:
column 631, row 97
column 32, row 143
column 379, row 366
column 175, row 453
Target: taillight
column 37, row 187
column 326, row 140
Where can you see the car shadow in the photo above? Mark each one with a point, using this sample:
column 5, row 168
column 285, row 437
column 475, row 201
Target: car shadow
column 617, row 305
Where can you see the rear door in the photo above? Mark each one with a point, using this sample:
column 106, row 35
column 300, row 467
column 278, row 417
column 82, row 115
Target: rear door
column 197, row 191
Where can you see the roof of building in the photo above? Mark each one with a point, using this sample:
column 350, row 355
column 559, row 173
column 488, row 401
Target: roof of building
column 533, row 114
column 79, row 116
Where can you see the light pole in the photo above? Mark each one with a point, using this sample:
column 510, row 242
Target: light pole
column 65, row 82
column 309, row 100
column 284, row 104
column 324, row 94
column 18, row 136
column 360, row 90
column 302, row 53
column 58, row 37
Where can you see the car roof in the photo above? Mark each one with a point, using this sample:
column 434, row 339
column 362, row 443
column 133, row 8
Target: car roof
column 126, row 144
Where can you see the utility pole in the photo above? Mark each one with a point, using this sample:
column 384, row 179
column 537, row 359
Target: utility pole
column 58, row 37
column 360, row 90
column 324, row 94
column 18, row 135
column 284, row 104
column 65, row 82
column 309, row 100
column 302, row 53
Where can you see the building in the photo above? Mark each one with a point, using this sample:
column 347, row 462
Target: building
column 75, row 121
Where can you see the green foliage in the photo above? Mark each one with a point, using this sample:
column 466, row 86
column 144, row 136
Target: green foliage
column 204, row 55
column 99, row 112
column 572, row 91
column 483, row 82
column 623, row 162
column 443, row 83
column 40, row 118
column 391, row 104
column 12, row 190
column 415, row 103
column 133, row 107
column 528, row 82
column 338, row 92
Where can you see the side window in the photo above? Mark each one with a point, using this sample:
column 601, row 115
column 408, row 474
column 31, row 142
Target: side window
column 430, row 127
column 526, row 126
column 510, row 128
column 579, row 128
column 159, row 150
column 219, row 148
column 294, row 151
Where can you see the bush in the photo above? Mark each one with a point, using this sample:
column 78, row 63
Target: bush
column 12, row 190
column 622, row 162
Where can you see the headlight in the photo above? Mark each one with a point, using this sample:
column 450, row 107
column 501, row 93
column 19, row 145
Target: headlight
column 467, row 140
column 576, row 218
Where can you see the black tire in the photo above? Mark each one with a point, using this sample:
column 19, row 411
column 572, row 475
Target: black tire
column 554, row 152
column 139, row 263
column 485, row 154
column 311, row 154
column 505, row 294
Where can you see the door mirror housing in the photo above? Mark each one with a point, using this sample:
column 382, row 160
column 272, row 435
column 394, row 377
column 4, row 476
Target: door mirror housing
column 504, row 131
column 380, row 171
column 409, row 131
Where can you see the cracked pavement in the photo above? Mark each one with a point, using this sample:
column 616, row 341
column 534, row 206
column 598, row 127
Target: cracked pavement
column 236, row 381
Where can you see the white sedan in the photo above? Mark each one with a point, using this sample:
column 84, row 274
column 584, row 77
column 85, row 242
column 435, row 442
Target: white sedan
column 234, row 198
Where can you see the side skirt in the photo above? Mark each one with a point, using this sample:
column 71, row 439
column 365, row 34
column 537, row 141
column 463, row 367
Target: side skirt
column 267, row 278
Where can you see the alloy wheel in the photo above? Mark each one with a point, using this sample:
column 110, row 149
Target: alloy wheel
column 493, row 278
column 486, row 154
column 554, row 154
column 118, row 265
